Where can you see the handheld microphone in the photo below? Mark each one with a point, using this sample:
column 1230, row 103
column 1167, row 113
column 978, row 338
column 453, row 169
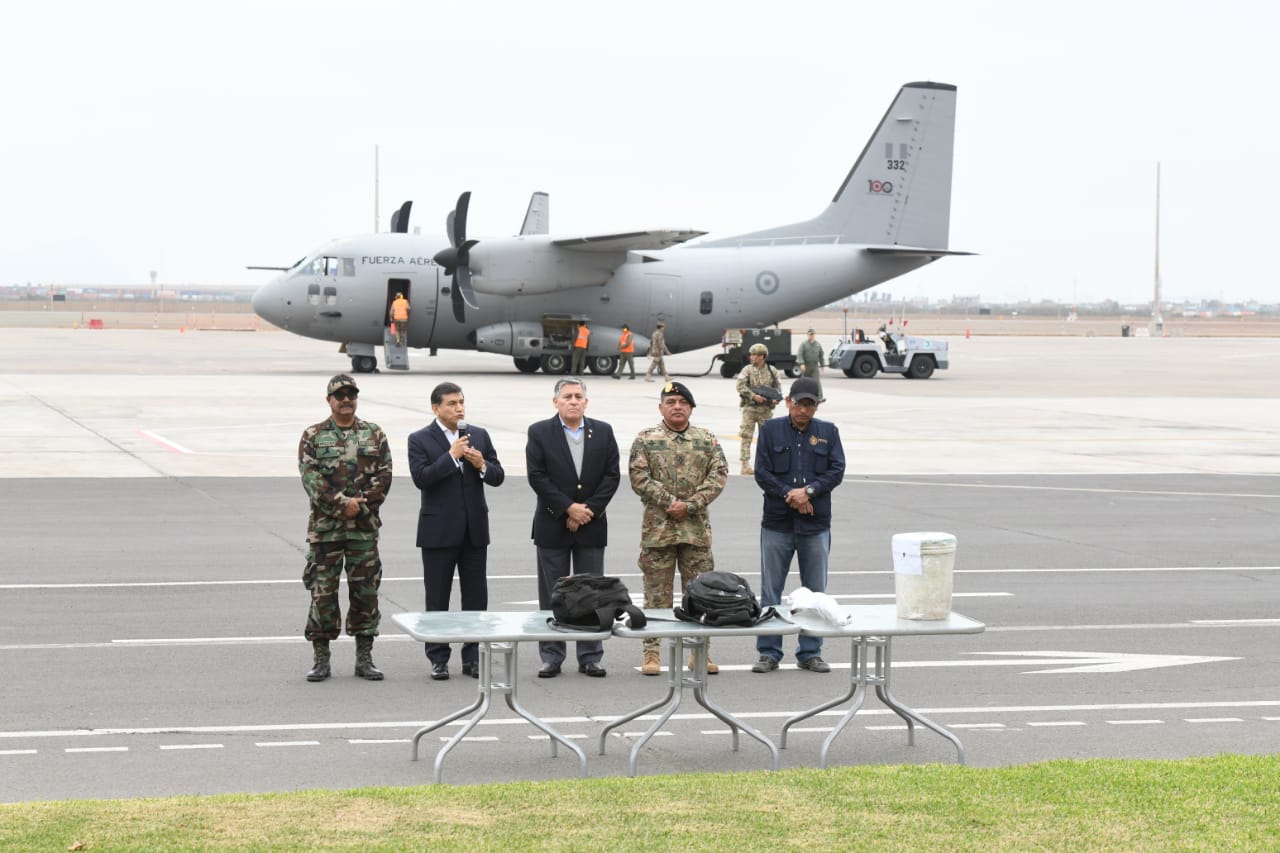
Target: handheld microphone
column 462, row 428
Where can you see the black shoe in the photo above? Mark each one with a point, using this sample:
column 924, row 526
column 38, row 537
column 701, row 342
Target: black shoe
column 319, row 672
column 616, row 376
column 549, row 670
column 439, row 672
column 368, row 671
column 814, row 665
column 471, row 669
column 593, row 670
column 765, row 664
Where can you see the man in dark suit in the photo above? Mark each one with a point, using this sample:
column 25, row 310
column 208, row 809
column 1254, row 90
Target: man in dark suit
column 451, row 462
column 572, row 463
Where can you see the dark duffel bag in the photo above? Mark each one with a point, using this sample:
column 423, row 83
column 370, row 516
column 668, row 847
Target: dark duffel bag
column 592, row 603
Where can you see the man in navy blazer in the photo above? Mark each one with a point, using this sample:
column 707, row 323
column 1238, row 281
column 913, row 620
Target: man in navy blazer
column 451, row 462
column 572, row 463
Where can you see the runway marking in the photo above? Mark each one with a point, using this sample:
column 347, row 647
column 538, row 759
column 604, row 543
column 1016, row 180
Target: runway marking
column 172, row 446
column 529, row 577
column 580, row 720
column 360, row 740
column 1213, row 720
column 1084, row 489
column 1134, row 722
column 274, row 743
column 191, row 746
column 18, row 751
column 1056, row 723
column 977, row 725
column 97, row 749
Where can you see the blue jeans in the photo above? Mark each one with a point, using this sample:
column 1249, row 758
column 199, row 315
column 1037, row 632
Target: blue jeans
column 776, row 550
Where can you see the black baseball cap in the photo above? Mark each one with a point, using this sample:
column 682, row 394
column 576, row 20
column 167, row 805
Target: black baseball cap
column 805, row 388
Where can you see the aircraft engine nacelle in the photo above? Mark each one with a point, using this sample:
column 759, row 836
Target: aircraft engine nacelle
column 532, row 265
column 521, row 340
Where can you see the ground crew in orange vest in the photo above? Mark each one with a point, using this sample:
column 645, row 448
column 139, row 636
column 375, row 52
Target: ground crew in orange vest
column 626, row 352
column 400, row 318
column 580, row 349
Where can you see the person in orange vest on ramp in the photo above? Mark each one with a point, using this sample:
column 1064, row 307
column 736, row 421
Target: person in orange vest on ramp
column 626, row 352
column 580, row 349
column 400, row 318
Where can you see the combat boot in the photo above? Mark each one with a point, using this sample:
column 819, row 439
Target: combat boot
column 320, row 670
column 747, row 470
column 652, row 663
column 712, row 669
column 364, row 659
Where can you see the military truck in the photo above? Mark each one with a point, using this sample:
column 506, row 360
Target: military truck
column 862, row 357
column 737, row 343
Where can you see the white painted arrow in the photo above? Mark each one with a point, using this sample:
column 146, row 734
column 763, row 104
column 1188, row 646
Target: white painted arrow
column 1093, row 661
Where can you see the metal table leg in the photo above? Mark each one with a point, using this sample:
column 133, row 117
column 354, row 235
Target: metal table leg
column 884, row 663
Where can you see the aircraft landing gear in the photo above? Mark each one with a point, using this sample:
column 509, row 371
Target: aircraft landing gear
column 602, row 365
column 364, row 363
column 527, row 365
column 554, row 364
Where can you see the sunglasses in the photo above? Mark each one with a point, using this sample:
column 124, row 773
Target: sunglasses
column 345, row 394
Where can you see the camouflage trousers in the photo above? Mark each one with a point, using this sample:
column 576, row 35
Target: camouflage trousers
column 364, row 576
column 658, row 364
column 658, row 566
column 752, row 417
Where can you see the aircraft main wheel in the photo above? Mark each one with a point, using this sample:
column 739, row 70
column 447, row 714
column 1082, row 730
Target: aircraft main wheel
column 795, row 371
column 727, row 370
column 554, row 364
column 602, row 365
column 364, row 363
column 527, row 365
column 864, row 366
column 921, row 368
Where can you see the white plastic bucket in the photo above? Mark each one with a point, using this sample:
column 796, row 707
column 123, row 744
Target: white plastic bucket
column 922, row 565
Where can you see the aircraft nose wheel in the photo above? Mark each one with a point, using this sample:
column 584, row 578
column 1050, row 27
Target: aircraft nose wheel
column 364, row 364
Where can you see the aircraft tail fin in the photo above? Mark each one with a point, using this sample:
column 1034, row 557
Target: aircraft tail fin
column 537, row 219
column 898, row 192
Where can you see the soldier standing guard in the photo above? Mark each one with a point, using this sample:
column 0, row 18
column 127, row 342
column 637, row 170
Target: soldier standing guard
column 756, row 407
column 345, row 465
column 677, row 469
column 810, row 357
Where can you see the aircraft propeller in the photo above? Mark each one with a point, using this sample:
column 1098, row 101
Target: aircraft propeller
column 400, row 219
column 456, row 259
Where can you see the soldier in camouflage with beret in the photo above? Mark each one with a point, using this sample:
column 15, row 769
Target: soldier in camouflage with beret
column 346, row 471
column 756, row 407
column 677, row 469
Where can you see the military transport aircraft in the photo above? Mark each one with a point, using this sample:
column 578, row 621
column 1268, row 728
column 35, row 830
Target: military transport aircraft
column 523, row 296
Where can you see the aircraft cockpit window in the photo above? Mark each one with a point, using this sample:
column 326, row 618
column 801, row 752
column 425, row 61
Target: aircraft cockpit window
column 331, row 296
column 327, row 267
column 313, row 294
column 348, row 266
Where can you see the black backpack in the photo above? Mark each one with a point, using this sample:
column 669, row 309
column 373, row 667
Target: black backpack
column 721, row 598
column 592, row 603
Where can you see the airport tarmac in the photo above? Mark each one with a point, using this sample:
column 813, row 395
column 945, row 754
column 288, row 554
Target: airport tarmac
column 1115, row 503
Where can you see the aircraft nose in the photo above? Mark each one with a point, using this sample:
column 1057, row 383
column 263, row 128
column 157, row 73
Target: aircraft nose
column 269, row 303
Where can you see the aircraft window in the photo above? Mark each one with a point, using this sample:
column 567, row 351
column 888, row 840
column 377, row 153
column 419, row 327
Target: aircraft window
column 704, row 304
column 331, row 296
column 331, row 267
column 313, row 294
column 348, row 266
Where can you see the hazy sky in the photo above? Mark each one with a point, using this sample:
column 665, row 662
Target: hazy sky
column 194, row 138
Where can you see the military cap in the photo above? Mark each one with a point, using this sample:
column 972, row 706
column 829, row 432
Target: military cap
column 342, row 380
column 805, row 388
column 758, row 349
column 679, row 389
column 812, row 332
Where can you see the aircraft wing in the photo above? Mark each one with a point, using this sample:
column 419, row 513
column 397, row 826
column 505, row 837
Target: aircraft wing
column 624, row 242
column 912, row 251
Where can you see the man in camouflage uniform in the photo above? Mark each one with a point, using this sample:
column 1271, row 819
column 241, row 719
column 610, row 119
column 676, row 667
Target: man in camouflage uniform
column 346, row 471
column 810, row 357
column 756, row 408
column 677, row 469
column 657, row 353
